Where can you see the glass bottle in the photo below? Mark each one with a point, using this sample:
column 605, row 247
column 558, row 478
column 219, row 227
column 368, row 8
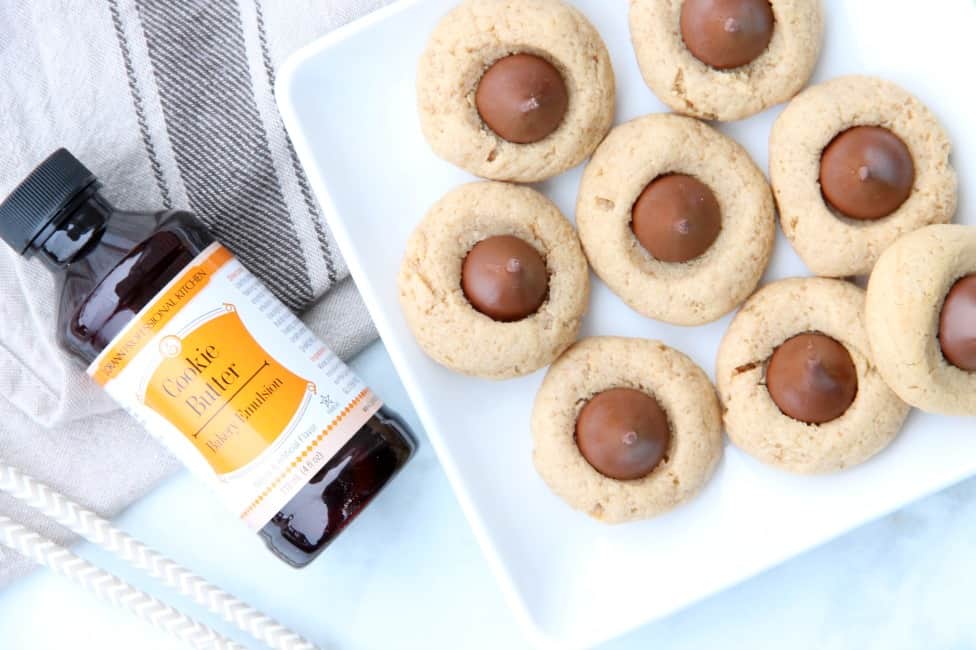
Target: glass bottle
column 114, row 263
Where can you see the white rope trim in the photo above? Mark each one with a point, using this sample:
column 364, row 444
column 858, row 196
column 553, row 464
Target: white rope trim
column 101, row 532
column 108, row 587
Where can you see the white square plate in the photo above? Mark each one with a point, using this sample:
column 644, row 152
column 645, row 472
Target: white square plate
column 348, row 101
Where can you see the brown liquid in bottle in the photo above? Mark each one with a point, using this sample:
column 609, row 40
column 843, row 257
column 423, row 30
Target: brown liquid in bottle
column 115, row 263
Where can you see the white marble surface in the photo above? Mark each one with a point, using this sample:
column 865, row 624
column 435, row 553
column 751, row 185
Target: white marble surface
column 409, row 575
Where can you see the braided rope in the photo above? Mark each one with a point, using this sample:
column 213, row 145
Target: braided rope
column 101, row 532
column 108, row 587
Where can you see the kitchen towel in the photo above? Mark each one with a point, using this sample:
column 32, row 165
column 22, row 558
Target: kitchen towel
column 171, row 104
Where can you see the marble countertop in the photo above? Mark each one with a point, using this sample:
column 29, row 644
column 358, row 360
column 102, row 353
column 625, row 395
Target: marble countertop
column 409, row 575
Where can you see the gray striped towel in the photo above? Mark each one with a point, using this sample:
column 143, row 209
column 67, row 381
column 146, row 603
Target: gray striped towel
column 170, row 103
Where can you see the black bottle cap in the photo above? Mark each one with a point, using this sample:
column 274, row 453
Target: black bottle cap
column 41, row 197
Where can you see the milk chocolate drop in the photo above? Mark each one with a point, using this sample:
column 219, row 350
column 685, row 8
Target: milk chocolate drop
column 623, row 433
column 522, row 98
column 505, row 278
column 957, row 325
column 676, row 218
column 812, row 378
column 727, row 34
column 866, row 172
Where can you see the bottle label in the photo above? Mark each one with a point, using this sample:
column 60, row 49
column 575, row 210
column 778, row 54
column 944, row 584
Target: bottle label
column 235, row 385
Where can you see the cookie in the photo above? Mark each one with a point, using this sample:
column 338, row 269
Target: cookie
column 725, row 60
column 621, row 182
column 656, row 373
column 921, row 318
column 486, row 243
column 799, row 346
column 536, row 69
column 883, row 158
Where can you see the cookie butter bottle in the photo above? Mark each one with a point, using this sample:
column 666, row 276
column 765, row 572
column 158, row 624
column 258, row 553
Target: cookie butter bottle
column 199, row 351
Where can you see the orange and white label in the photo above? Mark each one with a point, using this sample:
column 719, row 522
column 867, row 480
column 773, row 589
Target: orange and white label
column 234, row 385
